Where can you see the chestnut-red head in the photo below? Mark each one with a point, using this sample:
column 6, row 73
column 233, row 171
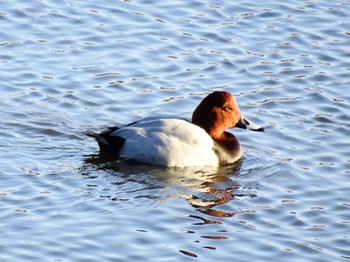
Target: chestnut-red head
column 219, row 111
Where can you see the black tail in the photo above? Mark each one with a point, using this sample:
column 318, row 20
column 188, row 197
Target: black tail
column 108, row 143
column 91, row 134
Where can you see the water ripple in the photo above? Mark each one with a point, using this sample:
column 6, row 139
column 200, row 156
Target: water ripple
column 77, row 66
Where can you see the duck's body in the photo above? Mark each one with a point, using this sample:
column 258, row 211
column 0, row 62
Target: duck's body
column 171, row 141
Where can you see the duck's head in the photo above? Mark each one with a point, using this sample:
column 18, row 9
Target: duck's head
column 219, row 111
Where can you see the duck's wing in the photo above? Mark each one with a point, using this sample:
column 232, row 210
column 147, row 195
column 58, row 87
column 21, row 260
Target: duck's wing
column 167, row 142
column 155, row 119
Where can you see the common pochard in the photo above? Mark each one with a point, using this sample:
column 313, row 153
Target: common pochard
column 172, row 141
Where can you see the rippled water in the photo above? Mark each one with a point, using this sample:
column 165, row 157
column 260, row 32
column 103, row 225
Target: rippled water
column 71, row 66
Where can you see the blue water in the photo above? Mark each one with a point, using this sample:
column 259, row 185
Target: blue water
column 71, row 66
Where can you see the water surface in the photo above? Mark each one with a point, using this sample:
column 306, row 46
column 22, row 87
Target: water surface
column 67, row 67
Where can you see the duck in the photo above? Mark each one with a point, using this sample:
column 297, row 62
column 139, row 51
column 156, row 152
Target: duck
column 177, row 142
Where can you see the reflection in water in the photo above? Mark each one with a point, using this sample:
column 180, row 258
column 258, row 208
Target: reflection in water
column 203, row 188
column 187, row 253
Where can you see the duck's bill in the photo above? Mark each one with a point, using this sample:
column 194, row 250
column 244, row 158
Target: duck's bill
column 246, row 124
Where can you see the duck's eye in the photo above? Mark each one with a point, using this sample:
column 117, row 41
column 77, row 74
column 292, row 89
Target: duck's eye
column 228, row 108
